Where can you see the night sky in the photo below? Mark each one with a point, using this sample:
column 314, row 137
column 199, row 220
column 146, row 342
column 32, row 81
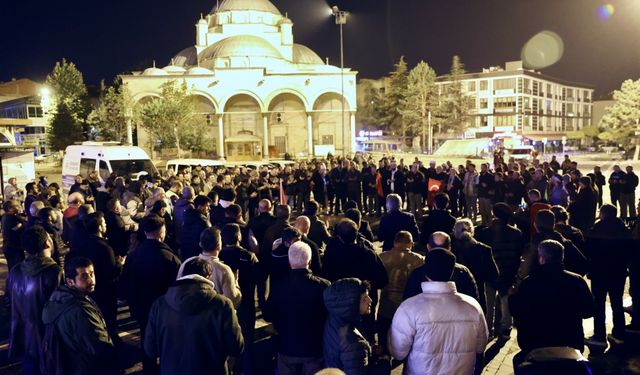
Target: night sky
column 107, row 37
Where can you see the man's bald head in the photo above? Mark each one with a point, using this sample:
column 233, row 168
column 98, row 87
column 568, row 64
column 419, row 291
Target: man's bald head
column 264, row 205
column 439, row 240
column 302, row 224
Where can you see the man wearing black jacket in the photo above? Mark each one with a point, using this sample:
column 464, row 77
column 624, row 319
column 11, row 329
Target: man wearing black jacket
column 437, row 220
column 297, row 311
column 149, row 271
column 394, row 221
column 29, row 286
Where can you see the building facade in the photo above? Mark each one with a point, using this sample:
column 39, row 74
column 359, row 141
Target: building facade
column 524, row 102
column 22, row 121
column 260, row 94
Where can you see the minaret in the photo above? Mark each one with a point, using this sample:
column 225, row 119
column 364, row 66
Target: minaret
column 201, row 32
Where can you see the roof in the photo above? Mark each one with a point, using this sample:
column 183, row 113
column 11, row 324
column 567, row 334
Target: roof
column 186, row 57
column 259, row 5
column 240, row 46
column 521, row 72
column 305, row 55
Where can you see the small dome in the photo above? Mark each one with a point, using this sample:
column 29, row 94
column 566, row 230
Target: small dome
column 174, row 69
column 305, row 55
column 199, row 71
column 186, row 57
column 154, row 72
column 240, row 46
column 259, row 5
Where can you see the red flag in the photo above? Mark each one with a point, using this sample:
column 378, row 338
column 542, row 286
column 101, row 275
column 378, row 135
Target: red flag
column 283, row 199
column 433, row 188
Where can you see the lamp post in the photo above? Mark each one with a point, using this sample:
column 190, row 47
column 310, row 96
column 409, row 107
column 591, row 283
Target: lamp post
column 341, row 19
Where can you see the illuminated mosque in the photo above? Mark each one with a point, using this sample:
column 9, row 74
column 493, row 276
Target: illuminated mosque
column 260, row 94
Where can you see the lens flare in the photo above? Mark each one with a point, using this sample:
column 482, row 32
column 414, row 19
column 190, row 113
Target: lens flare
column 605, row 11
column 542, row 50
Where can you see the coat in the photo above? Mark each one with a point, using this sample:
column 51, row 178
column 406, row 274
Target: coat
column 297, row 311
column 608, row 247
column 194, row 224
column 549, row 308
column 479, row 259
column 436, row 220
column 201, row 346
column 462, row 277
column 29, row 286
column 439, row 331
column 392, row 223
column 85, row 346
column 148, row 272
column 352, row 260
column 506, row 243
column 583, row 209
column 117, row 235
column 344, row 346
column 318, row 232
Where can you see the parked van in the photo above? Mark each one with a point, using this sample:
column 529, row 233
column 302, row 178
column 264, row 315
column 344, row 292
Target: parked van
column 179, row 164
column 105, row 158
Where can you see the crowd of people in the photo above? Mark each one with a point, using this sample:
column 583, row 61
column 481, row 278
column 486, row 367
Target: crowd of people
column 199, row 254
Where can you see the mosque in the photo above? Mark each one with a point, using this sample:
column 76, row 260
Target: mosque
column 260, row 94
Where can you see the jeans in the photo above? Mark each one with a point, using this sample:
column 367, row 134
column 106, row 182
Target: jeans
column 372, row 202
column 471, row 202
column 627, row 204
column 415, row 204
column 505, row 321
column 485, row 210
column 600, row 287
column 289, row 365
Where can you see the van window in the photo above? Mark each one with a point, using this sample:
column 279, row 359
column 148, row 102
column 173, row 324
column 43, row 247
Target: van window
column 128, row 168
column 104, row 170
column 86, row 166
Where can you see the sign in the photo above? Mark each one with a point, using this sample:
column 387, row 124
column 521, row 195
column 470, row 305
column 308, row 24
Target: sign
column 544, row 140
column 372, row 133
column 564, row 140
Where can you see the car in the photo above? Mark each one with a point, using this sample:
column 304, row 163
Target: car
column 520, row 153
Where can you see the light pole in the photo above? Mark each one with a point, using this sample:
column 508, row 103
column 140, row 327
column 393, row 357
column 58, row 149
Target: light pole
column 341, row 19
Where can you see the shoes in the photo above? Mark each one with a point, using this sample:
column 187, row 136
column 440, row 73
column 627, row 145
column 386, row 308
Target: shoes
column 614, row 339
column 632, row 328
column 594, row 341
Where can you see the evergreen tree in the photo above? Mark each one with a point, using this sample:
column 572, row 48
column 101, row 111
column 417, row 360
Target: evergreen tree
column 393, row 100
column 454, row 102
column 420, row 100
column 111, row 117
column 64, row 129
column 69, row 94
column 621, row 119
column 370, row 112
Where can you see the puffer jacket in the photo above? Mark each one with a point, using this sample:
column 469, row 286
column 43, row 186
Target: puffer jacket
column 194, row 224
column 344, row 346
column 439, row 331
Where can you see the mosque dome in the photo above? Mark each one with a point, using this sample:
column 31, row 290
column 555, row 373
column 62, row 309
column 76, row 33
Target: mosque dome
column 240, row 46
column 174, row 69
column 154, row 72
column 199, row 71
column 305, row 55
column 259, row 5
column 186, row 57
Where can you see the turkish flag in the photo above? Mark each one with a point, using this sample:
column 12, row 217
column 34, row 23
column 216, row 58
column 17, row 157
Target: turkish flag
column 433, row 188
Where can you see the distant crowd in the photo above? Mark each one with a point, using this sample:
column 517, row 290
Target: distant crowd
column 200, row 253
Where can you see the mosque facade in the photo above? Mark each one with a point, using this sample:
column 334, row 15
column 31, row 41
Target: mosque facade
column 260, row 94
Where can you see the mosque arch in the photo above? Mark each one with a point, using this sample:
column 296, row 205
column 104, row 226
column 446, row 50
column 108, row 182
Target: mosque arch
column 287, row 125
column 243, row 127
column 331, row 125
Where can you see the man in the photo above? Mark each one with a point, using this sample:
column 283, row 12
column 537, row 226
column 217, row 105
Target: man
column 245, row 264
column 70, row 215
column 279, row 260
column 303, row 224
column 616, row 180
column 465, row 283
column 338, row 178
column 486, row 185
column 354, row 185
column 506, row 244
column 394, row 221
column 393, row 181
column 107, row 266
column 318, row 232
column 224, row 280
column 297, row 311
column 550, row 305
column 470, row 189
column 195, row 221
column 211, row 335
column 608, row 246
column 628, row 194
column 149, row 271
column 13, row 224
column 33, row 190
column 303, row 186
column 258, row 226
column 283, row 213
column 437, row 220
column 118, row 233
column 29, row 286
column 12, row 191
column 439, row 331
column 415, row 185
column 75, row 326
column 179, row 208
column 233, row 215
column 399, row 262
column 599, row 181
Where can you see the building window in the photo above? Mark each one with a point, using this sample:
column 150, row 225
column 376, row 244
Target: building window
column 505, row 120
column 34, row 111
column 504, row 84
column 327, row 139
column 471, row 86
column 504, row 104
column 484, row 86
column 484, row 120
column 484, row 103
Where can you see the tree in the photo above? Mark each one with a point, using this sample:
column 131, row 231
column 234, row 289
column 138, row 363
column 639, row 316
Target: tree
column 370, row 112
column 69, row 94
column 116, row 108
column 64, row 129
column 455, row 103
column 172, row 119
column 420, row 100
column 621, row 119
column 393, row 100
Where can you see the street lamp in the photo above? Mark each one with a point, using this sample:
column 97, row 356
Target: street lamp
column 341, row 19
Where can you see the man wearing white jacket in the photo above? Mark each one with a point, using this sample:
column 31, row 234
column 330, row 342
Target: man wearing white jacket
column 439, row 331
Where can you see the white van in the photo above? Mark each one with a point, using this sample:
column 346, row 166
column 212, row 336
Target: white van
column 179, row 164
column 105, row 158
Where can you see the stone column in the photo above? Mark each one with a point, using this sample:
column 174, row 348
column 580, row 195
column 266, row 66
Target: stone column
column 220, row 136
column 265, row 136
column 352, row 118
column 310, row 135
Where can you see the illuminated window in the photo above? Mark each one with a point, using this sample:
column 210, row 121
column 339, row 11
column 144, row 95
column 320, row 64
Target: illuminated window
column 484, row 103
column 484, row 86
column 504, row 84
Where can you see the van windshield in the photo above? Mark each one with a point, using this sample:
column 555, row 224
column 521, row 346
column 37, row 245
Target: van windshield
column 520, row 151
column 128, row 168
